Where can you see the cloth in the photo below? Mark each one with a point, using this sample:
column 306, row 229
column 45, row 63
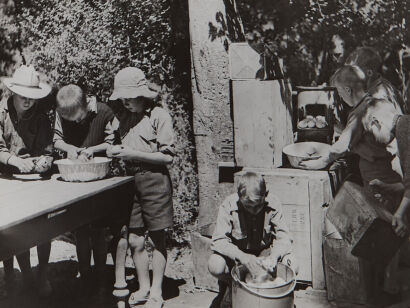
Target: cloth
column 375, row 160
column 152, row 208
column 31, row 134
column 150, row 131
column 383, row 89
column 403, row 141
column 230, row 238
column 95, row 129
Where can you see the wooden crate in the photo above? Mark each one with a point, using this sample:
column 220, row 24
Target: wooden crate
column 304, row 196
column 262, row 122
column 364, row 224
column 342, row 269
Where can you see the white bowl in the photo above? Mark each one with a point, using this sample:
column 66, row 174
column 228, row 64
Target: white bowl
column 298, row 151
column 79, row 171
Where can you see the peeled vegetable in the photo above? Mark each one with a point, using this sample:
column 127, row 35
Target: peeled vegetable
column 311, row 122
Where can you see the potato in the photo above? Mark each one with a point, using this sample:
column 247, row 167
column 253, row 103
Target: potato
column 303, row 123
column 43, row 164
column 311, row 124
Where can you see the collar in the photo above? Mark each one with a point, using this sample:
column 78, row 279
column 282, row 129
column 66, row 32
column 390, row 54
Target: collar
column 395, row 120
column 92, row 104
column 365, row 97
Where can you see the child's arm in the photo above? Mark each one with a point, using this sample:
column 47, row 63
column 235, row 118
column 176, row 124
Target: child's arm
column 165, row 143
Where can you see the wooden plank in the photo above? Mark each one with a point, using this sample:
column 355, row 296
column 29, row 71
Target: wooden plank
column 262, row 122
column 47, row 196
column 114, row 203
column 319, row 195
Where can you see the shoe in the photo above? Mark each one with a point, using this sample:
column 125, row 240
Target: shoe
column 138, row 297
column 154, row 302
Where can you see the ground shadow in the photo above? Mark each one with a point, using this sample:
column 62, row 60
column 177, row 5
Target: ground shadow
column 68, row 290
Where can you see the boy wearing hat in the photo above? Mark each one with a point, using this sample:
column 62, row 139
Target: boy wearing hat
column 250, row 230
column 147, row 138
column 84, row 127
column 26, row 146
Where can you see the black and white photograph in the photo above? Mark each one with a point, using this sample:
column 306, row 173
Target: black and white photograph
column 204, row 154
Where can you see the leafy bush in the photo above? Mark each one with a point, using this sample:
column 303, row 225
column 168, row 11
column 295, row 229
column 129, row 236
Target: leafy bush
column 88, row 42
column 303, row 32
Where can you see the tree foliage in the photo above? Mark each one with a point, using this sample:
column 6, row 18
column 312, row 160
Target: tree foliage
column 302, row 32
column 87, row 42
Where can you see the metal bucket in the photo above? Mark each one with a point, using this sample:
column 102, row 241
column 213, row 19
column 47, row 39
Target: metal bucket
column 244, row 296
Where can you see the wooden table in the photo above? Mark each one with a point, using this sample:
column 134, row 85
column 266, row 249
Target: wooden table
column 34, row 210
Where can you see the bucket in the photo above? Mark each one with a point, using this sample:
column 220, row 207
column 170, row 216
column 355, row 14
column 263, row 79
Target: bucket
column 244, row 296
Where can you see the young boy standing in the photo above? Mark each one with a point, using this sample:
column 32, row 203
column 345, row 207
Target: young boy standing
column 250, row 229
column 84, row 128
column 26, row 136
column 147, row 138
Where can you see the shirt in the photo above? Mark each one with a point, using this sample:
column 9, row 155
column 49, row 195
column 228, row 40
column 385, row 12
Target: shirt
column 32, row 134
column 230, row 237
column 95, row 129
column 402, row 131
column 375, row 160
column 150, row 131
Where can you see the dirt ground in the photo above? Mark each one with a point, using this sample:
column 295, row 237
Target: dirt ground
column 179, row 290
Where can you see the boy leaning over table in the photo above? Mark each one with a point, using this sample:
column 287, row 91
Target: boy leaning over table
column 250, row 230
column 26, row 147
column 84, row 128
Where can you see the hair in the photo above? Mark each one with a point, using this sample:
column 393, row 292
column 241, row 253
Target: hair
column 373, row 105
column 251, row 187
column 350, row 76
column 366, row 58
column 69, row 99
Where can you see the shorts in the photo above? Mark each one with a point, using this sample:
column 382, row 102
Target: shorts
column 152, row 208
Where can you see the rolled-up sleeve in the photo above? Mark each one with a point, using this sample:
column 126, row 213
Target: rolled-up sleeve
column 165, row 133
column 110, row 129
column 282, row 243
column 58, row 129
column 4, row 151
column 221, row 241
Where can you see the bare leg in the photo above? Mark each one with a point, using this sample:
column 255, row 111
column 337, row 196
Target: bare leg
column 120, row 257
column 140, row 258
column 159, row 261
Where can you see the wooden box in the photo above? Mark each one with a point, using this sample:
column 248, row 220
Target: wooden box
column 304, row 196
column 262, row 122
column 342, row 269
column 364, row 224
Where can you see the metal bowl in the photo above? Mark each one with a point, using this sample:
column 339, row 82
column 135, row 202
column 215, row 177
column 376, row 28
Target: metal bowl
column 74, row 170
column 298, row 151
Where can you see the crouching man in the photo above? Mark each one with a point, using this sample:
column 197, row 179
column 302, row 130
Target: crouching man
column 250, row 230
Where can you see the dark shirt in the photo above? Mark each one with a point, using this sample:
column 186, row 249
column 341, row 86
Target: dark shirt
column 32, row 134
column 402, row 131
column 95, row 129
column 253, row 227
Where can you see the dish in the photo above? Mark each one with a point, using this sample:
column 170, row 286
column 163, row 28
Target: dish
column 80, row 171
column 298, row 151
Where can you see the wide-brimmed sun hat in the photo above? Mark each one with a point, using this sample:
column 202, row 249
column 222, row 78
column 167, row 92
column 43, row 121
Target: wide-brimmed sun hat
column 130, row 82
column 26, row 82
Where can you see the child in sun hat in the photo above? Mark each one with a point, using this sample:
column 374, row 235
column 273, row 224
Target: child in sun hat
column 83, row 128
column 147, row 137
column 26, row 146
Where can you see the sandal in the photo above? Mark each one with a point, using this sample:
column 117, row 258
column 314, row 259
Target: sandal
column 155, row 302
column 138, row 298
